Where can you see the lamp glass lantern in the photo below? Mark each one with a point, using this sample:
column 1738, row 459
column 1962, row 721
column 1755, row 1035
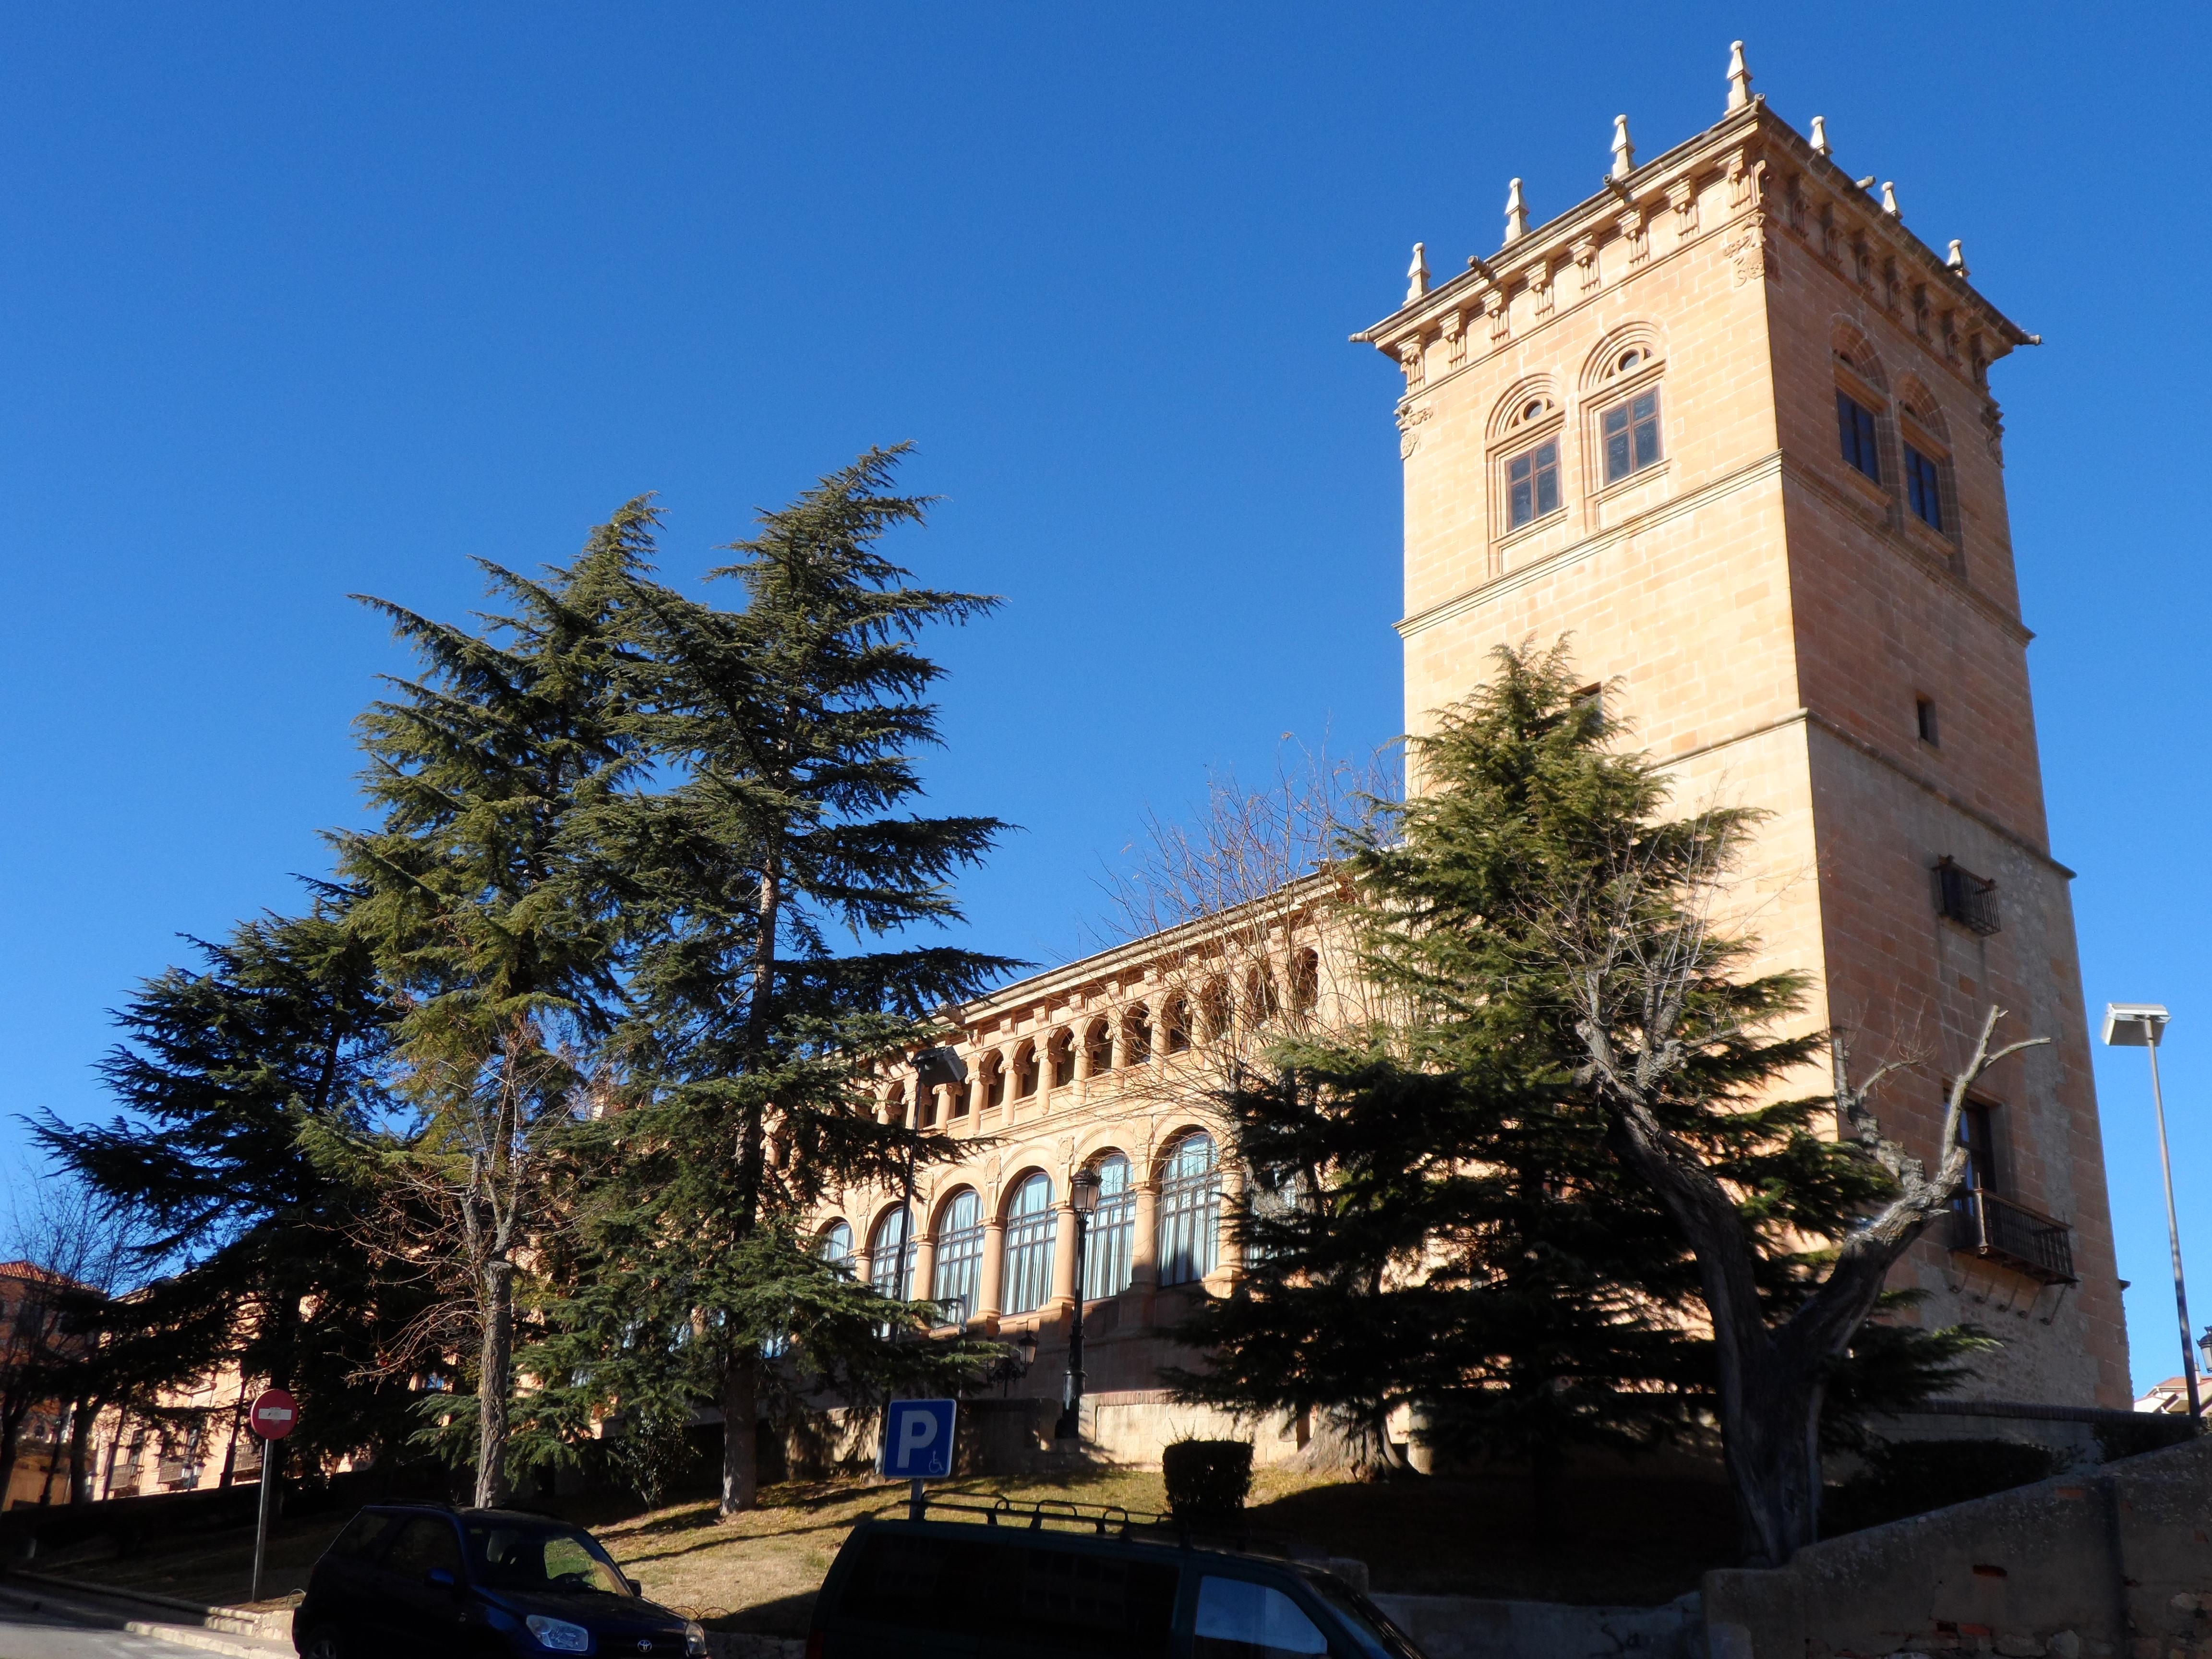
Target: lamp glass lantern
column 1083, row 1192
column 1026, row 1346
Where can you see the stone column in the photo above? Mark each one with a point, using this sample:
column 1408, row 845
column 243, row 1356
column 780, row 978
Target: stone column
column 989, row 1296
column 1145, row 1249
column 1231, row 1252
column 924, row 1256
column 1063, row 1257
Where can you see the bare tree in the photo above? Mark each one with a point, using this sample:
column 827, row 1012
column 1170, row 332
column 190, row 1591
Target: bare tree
column 66, row 1251
column 1640, row 944
column 1247, row 902
column 466, row 1203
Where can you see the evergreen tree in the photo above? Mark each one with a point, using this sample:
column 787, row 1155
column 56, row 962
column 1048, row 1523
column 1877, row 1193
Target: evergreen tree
column 771, row 892
column 224, row 1072
column 1468, row 1236
column 479, row 899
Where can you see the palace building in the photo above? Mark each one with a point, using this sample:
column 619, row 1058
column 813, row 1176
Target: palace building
column 1727, row 425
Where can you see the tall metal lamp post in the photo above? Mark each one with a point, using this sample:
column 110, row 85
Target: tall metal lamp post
column 1083, row 1199
column 2140, row 1025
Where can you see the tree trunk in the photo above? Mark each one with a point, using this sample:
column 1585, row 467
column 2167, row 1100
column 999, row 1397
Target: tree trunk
column 80, row 1485
column 495, row 1381
column 1770, row 1435
column 54, row 1456
column 740, row 1435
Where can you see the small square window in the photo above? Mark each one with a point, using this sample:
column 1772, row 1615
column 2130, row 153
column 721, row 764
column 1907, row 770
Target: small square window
column 1923, row 488
column 1632, row 436
column 1533, row 485
column 1855, row 427
column 1924, row 713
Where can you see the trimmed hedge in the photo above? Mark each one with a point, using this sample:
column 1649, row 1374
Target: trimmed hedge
column 1207, row 1480
column 1911, row 1477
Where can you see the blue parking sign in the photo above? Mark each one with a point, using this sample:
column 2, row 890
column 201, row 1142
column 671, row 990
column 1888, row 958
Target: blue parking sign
column 918, row 1439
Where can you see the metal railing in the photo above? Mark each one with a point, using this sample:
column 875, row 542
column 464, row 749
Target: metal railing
column 1966, row 898
column 2013, row 1235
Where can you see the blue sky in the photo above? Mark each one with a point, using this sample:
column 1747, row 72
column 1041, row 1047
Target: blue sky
column 302, row 302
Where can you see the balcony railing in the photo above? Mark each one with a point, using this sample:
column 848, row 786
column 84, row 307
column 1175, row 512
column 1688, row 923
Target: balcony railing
column 2013, row 1236
column 1966, row 898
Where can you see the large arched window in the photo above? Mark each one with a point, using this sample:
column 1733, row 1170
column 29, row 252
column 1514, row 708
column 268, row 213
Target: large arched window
column 959, row 1256
column 1190, row 1210
column 1177, row 1023
column 890, row 1256
column 836, row 1246
column 1031, row 1226
column 1109, row 1246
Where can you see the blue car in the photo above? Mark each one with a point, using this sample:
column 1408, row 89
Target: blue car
column 411, row 1579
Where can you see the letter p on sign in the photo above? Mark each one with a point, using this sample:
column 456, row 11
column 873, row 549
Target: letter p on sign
column 918, row 1439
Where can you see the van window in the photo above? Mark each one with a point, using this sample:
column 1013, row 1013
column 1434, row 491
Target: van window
column 1062, row 1600
column 1240, row 1619
column 426, row 1544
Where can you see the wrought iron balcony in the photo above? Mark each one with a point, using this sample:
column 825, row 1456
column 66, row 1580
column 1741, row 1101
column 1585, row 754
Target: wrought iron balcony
column 2013, row 1236
column 1966, row 898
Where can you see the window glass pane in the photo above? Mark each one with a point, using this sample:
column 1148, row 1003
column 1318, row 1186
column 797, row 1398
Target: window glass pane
column 1519, row 469
column 1109, row 1254
column 890, row 1257
column 1923, row 488
column 1856, row 431
column 1524, row 506
column 1547, row 479
column 1190, row 1213
column 1239, row 1619
column 1644, row 414
column 959, row 1257
column 1030, row 1228
column 426, row 1544
column 1616, row 443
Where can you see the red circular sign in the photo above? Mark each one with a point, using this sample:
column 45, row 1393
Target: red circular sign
column 275, row 1414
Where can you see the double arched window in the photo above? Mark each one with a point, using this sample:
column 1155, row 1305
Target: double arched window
column 959, row 1256
column 1109, row 1248
column 1030, row 1228
column 890, row 1257
column 1190, row 1210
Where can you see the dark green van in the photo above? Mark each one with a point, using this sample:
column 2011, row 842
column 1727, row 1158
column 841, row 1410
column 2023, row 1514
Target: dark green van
column 1028, row 1584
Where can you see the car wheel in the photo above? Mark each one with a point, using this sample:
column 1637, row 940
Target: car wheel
column 325, row 1642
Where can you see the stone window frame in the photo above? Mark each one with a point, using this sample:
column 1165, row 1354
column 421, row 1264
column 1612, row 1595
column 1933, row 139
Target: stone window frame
column 1530, row 416
column 1110, row 1258
column 957, row 1263
column 1032, row 1237
column 1608, row 381
column 1921, row 425
column 1188, row 1247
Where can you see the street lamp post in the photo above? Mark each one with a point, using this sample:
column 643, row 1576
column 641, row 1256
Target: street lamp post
column 2140, row 1025
column 1083, row 1199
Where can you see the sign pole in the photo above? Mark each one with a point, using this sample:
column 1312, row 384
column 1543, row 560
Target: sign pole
column 917, row 1500
column 269, row 1450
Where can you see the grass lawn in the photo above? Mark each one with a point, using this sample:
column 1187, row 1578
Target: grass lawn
column 1632, row 1542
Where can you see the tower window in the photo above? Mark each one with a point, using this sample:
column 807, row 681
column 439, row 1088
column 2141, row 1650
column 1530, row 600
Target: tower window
column 1855, row 427
column 1632, row 436
column 1976, row 1134
column 1923, row 715
column 1533, row 485
column 1923, row 488
column 1966, row 898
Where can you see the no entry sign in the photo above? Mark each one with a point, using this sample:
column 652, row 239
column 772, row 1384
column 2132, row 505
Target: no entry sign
column 275, row 1414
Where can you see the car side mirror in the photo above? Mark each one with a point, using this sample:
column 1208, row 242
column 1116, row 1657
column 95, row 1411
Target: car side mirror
column 637, row 1586
column 440, row 1576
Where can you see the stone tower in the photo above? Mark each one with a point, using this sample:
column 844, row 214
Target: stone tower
column 1727, row 425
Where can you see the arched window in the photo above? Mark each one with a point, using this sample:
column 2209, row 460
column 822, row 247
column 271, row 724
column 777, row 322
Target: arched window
column 1260, row 1004
column 1110, row 1247
column 1025, row 1071
column 1060, row 1052
column 836, row 1246
column 1178, row 1025
column 1305, row 980
column 993, row 1086
column 890, row 1257
column 1032, row 1224
column 1098, row 1046
column 959, row 1256
column 1190, row 1211
column 1137, row 1035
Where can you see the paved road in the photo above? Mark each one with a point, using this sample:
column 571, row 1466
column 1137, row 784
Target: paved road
column 27, row 1635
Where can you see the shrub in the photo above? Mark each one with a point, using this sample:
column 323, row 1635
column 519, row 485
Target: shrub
column 1911, row 1477
column 1206, row 1479
column 2147, row 1431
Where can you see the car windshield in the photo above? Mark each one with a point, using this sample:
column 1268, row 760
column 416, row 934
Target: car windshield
column 1370, row 1626
column 514, row 1555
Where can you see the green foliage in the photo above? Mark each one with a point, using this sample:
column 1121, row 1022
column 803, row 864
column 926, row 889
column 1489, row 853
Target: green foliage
column 1207, row 1480
column 2144, row 1432
column 1911, row 1477
column 1443, row 1218
column 225, row 1075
